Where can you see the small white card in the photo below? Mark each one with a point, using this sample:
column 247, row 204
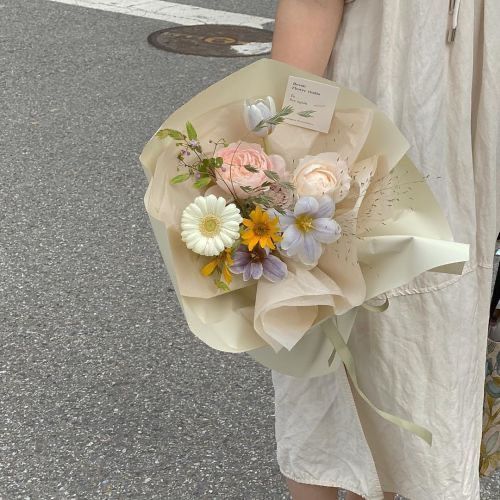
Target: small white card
column 313, row 103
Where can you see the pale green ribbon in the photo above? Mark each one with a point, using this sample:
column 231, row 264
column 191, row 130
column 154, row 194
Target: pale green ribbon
column 343, row 351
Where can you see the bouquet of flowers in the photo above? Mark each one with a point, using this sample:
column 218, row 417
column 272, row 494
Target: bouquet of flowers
column 274, row 234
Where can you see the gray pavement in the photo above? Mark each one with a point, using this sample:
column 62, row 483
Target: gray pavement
column 104, row 391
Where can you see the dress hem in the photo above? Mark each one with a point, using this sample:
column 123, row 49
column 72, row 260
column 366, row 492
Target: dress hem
column 343, row 486
column 328, row 484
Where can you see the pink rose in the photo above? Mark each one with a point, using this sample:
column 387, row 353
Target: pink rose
column 234, row 174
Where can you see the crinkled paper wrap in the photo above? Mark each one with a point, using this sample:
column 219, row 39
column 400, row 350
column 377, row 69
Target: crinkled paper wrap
column 386, row 242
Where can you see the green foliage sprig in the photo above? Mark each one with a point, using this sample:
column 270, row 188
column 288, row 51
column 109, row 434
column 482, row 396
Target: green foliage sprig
column 201, row 167
column 279, row 117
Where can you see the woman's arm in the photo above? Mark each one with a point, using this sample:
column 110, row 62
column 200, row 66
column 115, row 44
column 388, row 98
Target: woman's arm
column 305, row 32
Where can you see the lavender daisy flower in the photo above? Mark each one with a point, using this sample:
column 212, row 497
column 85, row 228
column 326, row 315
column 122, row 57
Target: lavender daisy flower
column 257, row 263
column 308, row 226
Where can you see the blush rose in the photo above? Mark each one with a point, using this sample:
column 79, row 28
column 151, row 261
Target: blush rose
column 322, row 174
column 233, row 174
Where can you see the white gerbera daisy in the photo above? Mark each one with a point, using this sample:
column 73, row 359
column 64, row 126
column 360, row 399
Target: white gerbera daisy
column 208, row 225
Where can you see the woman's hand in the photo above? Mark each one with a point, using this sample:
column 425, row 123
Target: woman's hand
column 305, row 32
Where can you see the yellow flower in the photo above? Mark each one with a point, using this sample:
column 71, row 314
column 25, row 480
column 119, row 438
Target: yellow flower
column 210, row 267
column 261, row 229
column 225, row 260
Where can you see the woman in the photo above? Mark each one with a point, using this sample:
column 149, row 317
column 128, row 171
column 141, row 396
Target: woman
column 423, row 358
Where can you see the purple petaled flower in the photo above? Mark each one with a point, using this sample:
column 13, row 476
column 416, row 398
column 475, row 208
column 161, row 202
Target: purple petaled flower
column 193, row 143
column 257, row 263
column 308, row 226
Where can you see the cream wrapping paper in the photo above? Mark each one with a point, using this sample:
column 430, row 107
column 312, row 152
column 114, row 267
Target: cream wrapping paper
column 392, row 229
column 375, row 254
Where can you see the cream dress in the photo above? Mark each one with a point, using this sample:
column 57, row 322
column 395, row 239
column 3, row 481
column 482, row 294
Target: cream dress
column 424, row 358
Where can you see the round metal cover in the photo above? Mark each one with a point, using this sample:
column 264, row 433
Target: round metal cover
column 219, row 40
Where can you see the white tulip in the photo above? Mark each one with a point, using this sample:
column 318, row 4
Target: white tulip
column 257, row 110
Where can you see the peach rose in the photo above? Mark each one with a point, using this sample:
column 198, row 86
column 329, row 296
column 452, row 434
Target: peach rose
column 322, row 174
column 234, row 174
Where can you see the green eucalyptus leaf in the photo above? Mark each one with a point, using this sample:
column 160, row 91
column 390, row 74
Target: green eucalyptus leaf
column 191, row 132
column 180, row 178
column 170, row 132
column 202, row 182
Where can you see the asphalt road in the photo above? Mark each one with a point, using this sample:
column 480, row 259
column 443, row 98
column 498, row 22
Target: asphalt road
column 104, row 392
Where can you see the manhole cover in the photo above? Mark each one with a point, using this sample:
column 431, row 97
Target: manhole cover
column 220, row 40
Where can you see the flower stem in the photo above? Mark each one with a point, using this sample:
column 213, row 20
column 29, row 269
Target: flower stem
column 266, row 144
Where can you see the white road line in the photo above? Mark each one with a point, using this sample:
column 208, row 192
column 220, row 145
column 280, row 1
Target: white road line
column 252, row 48
column 171, row 12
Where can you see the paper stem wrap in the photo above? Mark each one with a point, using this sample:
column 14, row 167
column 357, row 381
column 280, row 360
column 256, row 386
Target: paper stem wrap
column 392, row 231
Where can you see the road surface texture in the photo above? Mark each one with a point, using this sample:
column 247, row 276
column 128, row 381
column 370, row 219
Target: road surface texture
column 104, row 391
